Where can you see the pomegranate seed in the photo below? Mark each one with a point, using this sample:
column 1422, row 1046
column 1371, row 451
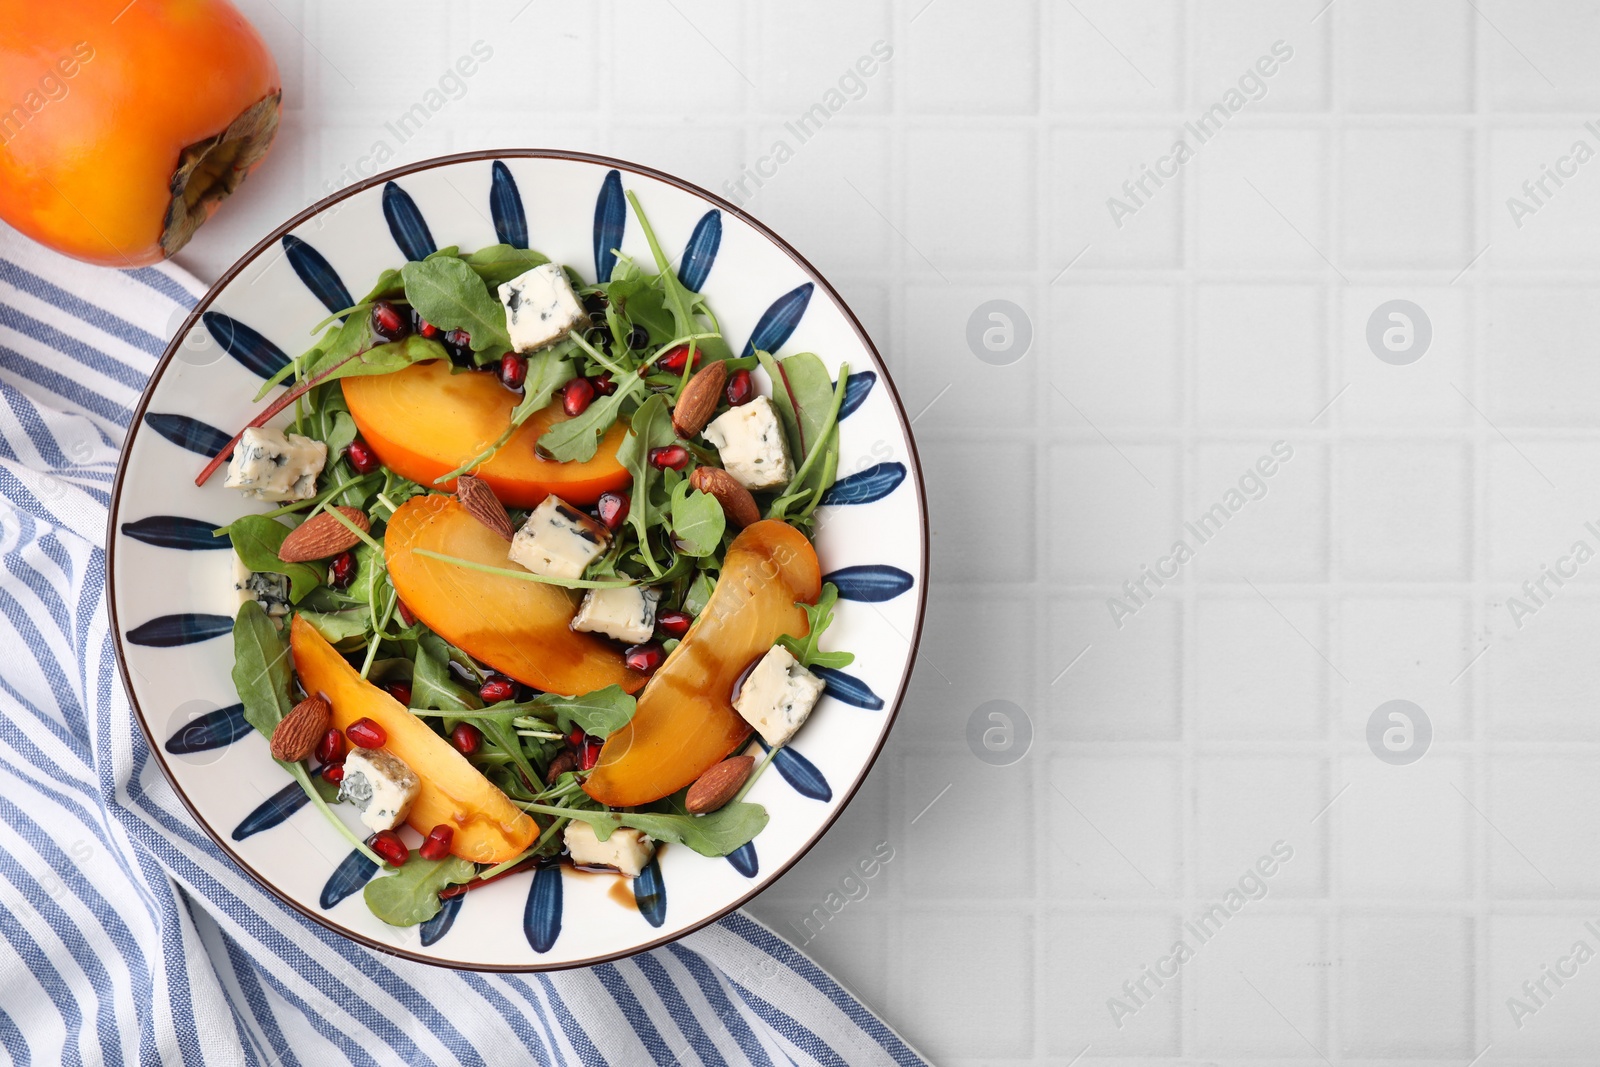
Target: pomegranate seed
column 459, row 338
column 361, row 456
column 674, row 456
column 423, row 327
column 644, row 658
column 576, row 396
column 333, row 772
column 638, row 338
column 342, row 571
column 513, row 370
column 590, row 754
column 405, row 613
column 576, row 736
column 400, row 691
column 366, row 733
column 467, row 738
column 673, row 623
column 613, row 509
column 387, row 844
column 603, row 384
column 331, row 748
column 388, row 323
column 458, row 343
column 497, row 689
column 437, row 844
column 676, row 359
column 741, row 388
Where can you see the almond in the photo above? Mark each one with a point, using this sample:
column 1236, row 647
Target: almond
column 322, row 536
column 298, row 732
column 699, row 399
column 481, row 503
column 718, row 785
column 736, row 501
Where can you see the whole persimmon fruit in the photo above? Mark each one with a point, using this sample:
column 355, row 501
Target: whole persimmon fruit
column 123, row 125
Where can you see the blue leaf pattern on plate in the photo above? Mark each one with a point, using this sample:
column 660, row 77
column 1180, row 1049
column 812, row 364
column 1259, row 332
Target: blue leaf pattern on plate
column 744, row 859
column 406, row 224
column 188, row 433
column 541, row 918
column 353, row 872
column 871, row 583
column 856, row 390
column 848, row 688
column 799, row 771
column 650, row 894
column 169, row 631
column 214, row 729
column 317, row 274
column 610, row 218
column 701, row 251
column 272, row 811
column 779, row 321
column 245, row 345
column 440, row 924
column 175, row 531
column 863, row 487
column 505, row 204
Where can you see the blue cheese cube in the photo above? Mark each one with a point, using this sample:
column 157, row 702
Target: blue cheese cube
column 627, row 614
column 778, row 696
column 626, row 851
column 276, row 467
column 271, row 591
column 750, row 441
column 558, row 540
column 380, row 786
column 541, row 307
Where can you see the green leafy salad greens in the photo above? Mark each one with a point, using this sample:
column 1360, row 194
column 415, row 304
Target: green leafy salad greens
column 674, row 538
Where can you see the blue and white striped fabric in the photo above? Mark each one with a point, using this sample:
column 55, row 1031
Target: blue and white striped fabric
column 126, row 936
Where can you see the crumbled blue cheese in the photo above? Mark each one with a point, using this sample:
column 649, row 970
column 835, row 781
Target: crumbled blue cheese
column 558, row 540
column 778, row 696
column 627, row 614
column 269, row 590
column 541, row 307
column 380, row 786
column 273, row 466
column 752, row 446
column 626, row 851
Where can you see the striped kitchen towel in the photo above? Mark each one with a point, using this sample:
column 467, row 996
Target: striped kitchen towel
column 126, row 936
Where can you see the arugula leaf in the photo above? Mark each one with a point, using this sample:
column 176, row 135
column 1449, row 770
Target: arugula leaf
column 820, row 617
column 498, row 264
column 577, row 440
column 449, row 294
column 336, row 626
column 432, row 684
column 391, row 285
column 650, row 427
column 698, row 521
column 676, row 297
column 699, row 594
column 257, row 539
column 262, row 669
column 600, row 713
column 715, row 834
column 411, row 894
column 810, row 389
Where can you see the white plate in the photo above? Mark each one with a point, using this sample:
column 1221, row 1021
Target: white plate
column 171, row 592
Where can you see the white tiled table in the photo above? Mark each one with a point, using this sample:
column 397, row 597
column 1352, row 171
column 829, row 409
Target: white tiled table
column 1229, row 312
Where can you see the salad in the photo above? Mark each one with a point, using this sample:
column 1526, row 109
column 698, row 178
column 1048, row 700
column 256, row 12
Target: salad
column 538, row 584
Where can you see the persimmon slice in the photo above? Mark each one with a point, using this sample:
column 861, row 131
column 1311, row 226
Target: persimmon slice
column 488, row 827
column 519, row 628
column 425, row 422
column 685, row 723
